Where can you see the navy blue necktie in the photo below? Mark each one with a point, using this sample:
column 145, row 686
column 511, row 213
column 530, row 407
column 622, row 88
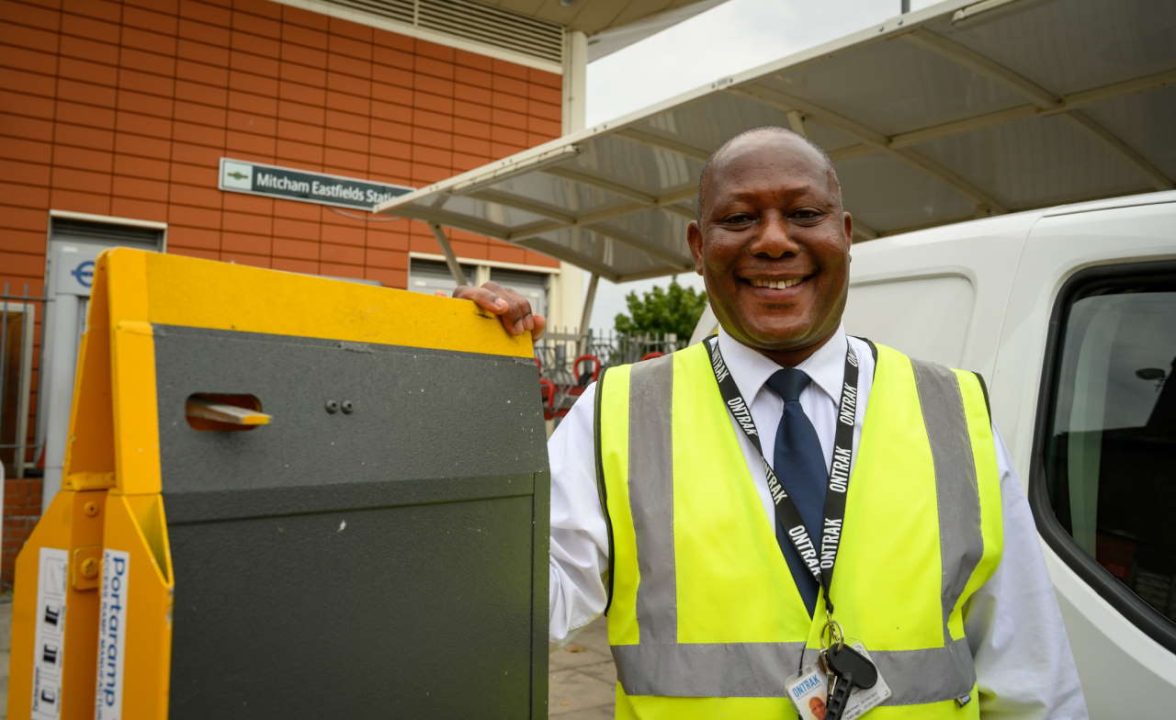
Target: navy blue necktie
column 800, row 467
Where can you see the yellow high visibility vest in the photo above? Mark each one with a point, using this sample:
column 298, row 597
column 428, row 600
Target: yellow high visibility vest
column 705, row 620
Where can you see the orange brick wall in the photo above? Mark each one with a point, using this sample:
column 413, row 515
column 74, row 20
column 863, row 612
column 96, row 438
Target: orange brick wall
column 125, row 109
column 22, row 509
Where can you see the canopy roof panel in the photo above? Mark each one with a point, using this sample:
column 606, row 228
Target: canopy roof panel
column 961, row 110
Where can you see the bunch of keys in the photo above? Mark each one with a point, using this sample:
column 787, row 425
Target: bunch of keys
column 847, row 670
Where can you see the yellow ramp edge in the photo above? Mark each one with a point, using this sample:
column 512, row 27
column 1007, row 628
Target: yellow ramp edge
column 219, row 296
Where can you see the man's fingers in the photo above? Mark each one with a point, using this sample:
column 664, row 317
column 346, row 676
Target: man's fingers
column 512, row 309
column 485, row 298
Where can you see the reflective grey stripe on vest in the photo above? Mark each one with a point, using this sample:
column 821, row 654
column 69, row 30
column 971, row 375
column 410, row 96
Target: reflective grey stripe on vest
column 961, row 544
column 651, row 493
column 763, row 669
column 660, row 665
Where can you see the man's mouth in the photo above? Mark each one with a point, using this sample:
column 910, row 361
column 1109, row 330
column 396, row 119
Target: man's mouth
column 781, row 284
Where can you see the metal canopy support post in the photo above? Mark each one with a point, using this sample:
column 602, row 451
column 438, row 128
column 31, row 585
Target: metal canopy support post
column 575, row 80
column 450, row 258
column 586, row 316
column 796, row 122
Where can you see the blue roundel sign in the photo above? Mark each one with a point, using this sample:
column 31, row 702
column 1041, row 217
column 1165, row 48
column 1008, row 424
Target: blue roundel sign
column 84, row 273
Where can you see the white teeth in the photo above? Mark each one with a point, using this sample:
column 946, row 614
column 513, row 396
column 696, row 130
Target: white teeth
column 776, row 284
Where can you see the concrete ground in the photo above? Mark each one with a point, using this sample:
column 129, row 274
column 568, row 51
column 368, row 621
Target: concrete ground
column 580, row 682
column 582, row 677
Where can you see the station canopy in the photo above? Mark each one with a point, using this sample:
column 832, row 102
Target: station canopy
column 961, row 110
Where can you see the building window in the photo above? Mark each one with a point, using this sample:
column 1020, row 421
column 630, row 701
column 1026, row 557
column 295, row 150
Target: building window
column 532, row 286
column 1108, row 451
column 433, row 277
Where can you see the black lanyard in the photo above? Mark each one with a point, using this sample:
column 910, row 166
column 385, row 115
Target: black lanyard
column 820, row 563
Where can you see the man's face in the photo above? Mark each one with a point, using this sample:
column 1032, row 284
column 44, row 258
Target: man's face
column 772, row 243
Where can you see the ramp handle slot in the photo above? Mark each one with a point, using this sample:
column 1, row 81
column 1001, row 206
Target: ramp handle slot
column 224, row 412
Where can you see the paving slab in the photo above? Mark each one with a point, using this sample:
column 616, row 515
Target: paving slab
column 582, row 677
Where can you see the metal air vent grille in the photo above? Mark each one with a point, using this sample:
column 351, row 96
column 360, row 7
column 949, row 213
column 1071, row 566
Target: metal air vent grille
column 399, row 10
column 471, row 21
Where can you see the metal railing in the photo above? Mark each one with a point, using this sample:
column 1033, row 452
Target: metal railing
column 18, row 317
column 569, row 361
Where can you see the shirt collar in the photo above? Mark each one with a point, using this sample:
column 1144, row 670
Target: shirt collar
column 750, row 369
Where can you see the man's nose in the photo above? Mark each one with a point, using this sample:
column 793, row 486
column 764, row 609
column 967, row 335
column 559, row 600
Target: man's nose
column 774, row 238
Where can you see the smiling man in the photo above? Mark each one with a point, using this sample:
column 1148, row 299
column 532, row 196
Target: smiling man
column 774, row 254
column 742, row 505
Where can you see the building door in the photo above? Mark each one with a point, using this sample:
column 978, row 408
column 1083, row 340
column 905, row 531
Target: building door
column 73, row 248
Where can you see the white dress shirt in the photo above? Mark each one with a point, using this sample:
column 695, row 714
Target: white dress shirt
column 1022, row 656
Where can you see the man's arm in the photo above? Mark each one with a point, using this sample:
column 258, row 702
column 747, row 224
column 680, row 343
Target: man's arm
column 1024, row 666
column 579, row 538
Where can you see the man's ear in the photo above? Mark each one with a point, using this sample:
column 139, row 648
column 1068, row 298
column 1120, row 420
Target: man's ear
column 694, row 240
column 847, row 228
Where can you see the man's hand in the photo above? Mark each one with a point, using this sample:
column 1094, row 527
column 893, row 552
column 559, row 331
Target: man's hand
column 511, row 308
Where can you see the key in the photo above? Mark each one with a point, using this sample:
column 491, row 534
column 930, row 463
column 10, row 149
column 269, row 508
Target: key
column 850, row 670
column 839, row 690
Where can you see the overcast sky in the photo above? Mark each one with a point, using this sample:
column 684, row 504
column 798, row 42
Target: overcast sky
column 735, row 36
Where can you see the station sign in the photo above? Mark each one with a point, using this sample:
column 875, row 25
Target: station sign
column 278, row 182
column 72, row 269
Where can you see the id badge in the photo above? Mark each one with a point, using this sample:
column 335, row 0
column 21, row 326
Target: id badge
column 809, row 693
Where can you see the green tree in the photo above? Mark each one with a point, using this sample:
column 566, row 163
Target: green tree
column 675, row 309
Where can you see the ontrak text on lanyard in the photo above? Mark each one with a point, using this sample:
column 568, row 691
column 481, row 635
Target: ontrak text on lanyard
column 786, row 513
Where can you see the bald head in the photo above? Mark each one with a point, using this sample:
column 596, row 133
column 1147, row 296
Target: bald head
column 756, row 136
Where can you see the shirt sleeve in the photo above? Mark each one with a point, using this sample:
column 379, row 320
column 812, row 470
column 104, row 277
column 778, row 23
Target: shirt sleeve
column 579, row 538
column 1024, row 667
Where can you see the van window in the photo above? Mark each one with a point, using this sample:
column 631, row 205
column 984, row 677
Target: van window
column 1109, row 454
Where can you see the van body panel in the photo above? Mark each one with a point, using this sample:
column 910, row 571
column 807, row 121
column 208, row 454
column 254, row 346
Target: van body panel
column 906, row 291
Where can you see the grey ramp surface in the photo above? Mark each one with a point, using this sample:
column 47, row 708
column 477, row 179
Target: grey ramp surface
column 416, row 413
column 390, row 562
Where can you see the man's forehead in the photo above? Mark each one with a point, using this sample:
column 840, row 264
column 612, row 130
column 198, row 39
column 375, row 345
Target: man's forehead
column 769, row 149
column 782, row 164
column 778, row 152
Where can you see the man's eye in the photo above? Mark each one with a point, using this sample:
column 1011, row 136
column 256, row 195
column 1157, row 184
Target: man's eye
column 807, row 216
column 738, row 219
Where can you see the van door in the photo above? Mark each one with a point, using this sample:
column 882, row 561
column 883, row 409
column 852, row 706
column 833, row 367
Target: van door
column 1087, row 376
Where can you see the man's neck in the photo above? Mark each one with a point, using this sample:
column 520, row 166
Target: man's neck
column 795, row 356
column 751, row 368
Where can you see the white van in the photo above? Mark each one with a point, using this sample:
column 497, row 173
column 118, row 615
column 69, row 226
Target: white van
column 1070, row 315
